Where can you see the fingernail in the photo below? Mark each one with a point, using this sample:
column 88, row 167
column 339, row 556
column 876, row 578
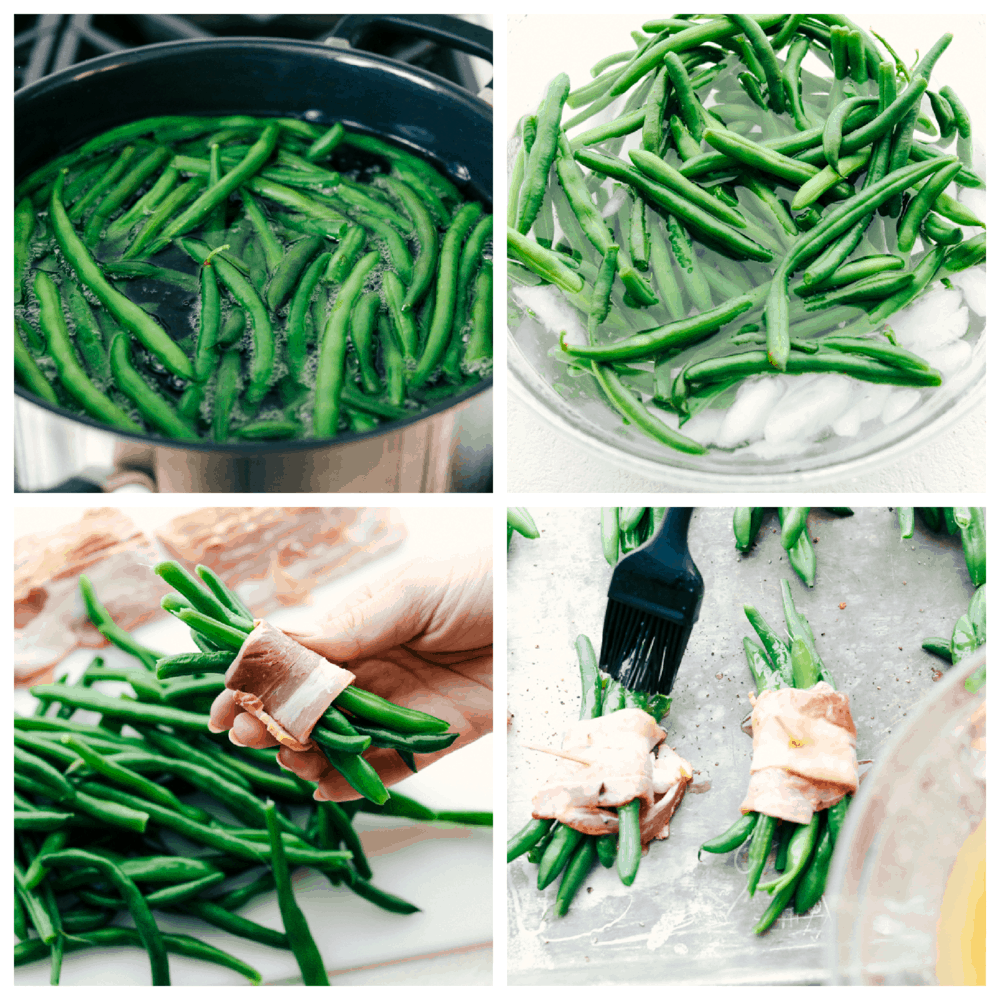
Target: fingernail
column 216, row 729
column 234, row 740
column 320, row 796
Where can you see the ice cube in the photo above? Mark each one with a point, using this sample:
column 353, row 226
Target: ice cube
column 804, row 412
column 899, row 403
column 936, row 318
column 973, row 285
column 950, row 358
column 704, row 427
column 547, row 304
column 745, row 419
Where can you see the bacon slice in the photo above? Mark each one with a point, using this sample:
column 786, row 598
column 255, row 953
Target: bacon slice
column 285, row 685
column 804, row 752
column 623, row 766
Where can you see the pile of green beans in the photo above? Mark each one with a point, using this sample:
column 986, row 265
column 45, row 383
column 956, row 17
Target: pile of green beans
column 749, row 170
column 101, row 821
column 803, row 851
column 795, row 537
column 560, row 850
column 246, row 279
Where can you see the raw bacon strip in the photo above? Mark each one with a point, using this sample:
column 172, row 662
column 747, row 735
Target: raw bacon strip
column 285, row 685
column 623, row 766
column 671, row 776
column 619, row 770
column 804, row 756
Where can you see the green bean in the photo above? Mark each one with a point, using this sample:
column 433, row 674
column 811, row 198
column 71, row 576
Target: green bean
column 144, row 922
column 293, row 262
column 403, row 321
column 30, row 375
column 262, row 361
column 34, row 908
column 469, row 264
column 445, row 294
column 658, row 170
column 40, row 820
column 125, row 188
column 226, row 394
column 296, row 928
column 381, row 898
column 345, row 744
column 732, row 242
column 672, row 335
column 332, row 349
column 576, row 873
column 116, row 708
column 733, row 838
column 663, row 271
column 255, row 158
column 413, row 742
column 426, row 259
column 760, row 846
column 71, row 375
column 219, row 916
column 151, row 335
column 636, row 413
column 181, row 944
column 359, row 774
column 629, row 845
column 557, row 854
column 104, row 181
column 210, row 684
column 572, row 182
column 921, row 203
column 134, row 782
column 541, row 155
column 153, row 407
column 527, row 837
column 372, row 708
column 202, row 599
column 765, row 53
column 24, row 229
column 479, row 346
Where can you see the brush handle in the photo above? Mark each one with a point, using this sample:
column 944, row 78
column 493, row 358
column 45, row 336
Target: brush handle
column 669, row 545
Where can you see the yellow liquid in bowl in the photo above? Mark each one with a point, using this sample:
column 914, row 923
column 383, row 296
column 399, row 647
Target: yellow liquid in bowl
column 961, row 932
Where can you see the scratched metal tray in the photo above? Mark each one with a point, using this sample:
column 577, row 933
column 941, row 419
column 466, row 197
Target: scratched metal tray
column 876, row 598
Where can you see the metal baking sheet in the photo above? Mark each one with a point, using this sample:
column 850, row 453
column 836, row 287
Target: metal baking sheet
column 876, row 598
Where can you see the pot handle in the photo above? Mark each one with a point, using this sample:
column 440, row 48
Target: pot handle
column 95, row 481
column 452, row 32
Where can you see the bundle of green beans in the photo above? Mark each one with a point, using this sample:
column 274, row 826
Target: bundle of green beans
column 558, row 849
column 626, row 528
column 803, row 851
column 795, row 537
column 684, row 288
column 100, row 811
column 246, row 279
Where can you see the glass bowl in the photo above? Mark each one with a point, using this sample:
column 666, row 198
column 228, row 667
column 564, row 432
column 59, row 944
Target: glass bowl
column 914, row 811
column 574, row 407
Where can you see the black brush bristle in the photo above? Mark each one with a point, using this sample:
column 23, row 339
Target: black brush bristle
column 653, row 602
column 640, row 649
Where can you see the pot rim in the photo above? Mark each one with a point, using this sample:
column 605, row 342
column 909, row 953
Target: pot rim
column 54, row 82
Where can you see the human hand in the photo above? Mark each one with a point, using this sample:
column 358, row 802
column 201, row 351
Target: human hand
column 421, row 637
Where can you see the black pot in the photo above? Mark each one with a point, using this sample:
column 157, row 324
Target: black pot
column 277, row 77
